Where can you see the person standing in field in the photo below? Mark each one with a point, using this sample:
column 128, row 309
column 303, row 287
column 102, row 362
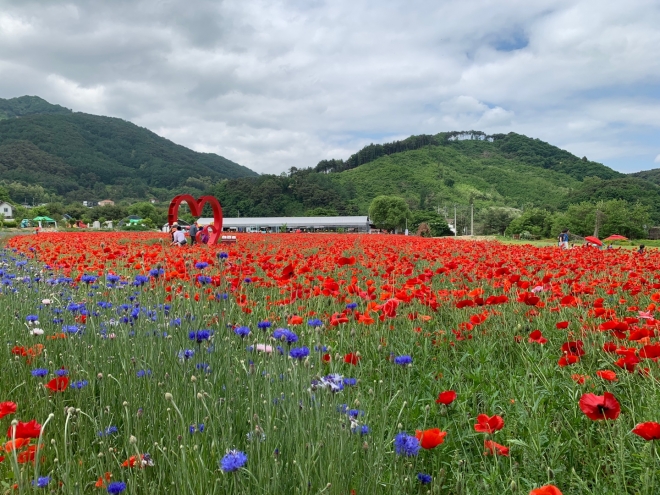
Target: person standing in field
column 193, row 233
column 563, row 239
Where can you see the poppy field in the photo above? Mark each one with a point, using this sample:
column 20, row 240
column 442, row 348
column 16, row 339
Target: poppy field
column 326, row 364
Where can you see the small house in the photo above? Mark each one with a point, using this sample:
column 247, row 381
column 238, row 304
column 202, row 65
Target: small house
column 6, row 210
column 107, row 202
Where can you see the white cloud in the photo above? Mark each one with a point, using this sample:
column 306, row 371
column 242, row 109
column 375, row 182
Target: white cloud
column 657, row 159
column 278, row 84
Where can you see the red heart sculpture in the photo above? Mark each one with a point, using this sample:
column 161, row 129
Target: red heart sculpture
column 196, row 206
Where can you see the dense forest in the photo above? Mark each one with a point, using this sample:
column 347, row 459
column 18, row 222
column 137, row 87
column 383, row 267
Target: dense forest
column 55, row 153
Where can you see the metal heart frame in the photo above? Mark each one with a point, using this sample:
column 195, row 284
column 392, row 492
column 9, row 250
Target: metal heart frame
column 196, row 206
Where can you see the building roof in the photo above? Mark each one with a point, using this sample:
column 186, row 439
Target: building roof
column 291, row 222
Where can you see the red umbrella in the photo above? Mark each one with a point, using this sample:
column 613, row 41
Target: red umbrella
column 616, row 237
column 593, row 240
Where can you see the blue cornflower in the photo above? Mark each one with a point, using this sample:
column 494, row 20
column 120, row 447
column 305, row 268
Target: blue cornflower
column 42, row 481
column 39, row 372
column 108, row 431
column 351, row 305
column 142, row 373
column 242, row 331
column 299, row 352
column 88, row 279
column 31, row 318
column 320, row 348
column 223, row 256
column 187, row 354
column 247, row 280
column 116, row 487
column 140, row 280
column 176, row 322
column 263, row 325
column 200, row 265
column 112, row 278
column 61, row 372
column 200, row 335
column 424, row 479
column 203, row 279
column 104, row 305
column 79, row 384
column 193, row 428
column 406, row 445
column 285, row 334
column 315, row 322
column 71, row 329
column 156, row 272
column 233, row 461
column 350, row 381
column 362, row 430
column 402, row 360
column 221, row 297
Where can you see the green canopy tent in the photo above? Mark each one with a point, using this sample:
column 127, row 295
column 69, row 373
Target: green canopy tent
column 44, row 220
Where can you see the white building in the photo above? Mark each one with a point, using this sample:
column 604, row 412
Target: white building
column 278, row 224
column 6, row 210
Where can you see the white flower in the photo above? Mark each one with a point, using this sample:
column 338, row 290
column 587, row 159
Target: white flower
column 265, row 348
column 46, row 301
column 36, row 331
column 112, row 336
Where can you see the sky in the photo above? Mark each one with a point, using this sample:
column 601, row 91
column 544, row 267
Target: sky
column 286, row 83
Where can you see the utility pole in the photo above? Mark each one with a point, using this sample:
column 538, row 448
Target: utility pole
column 599, row 215
column 472, row 219
column 455, row 226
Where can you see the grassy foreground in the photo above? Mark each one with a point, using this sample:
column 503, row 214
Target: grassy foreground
column 99, row 351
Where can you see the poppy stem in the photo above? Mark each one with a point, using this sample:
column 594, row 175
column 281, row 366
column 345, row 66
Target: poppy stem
column 41, row 434
column 14, row 458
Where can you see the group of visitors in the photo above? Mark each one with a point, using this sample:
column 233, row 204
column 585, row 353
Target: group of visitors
column 197, row 234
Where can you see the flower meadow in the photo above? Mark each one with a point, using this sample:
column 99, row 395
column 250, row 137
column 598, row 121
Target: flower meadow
column 337, row 364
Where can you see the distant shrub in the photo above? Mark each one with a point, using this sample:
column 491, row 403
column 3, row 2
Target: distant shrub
column 9, row 224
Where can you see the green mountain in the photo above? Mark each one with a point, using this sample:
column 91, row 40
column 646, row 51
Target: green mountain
column 48, row 151
column 436, row 172
column 28, row 105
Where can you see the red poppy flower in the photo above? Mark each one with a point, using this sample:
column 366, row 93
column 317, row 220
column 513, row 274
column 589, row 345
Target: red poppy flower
column 579, row 379
column 31, row 429
column 431, row 438
column 537, row 336
column 493, row 448
column 574, row 347
column 58, row 384
column 546, row 490
column 562, row 325
column 352, row 358
column 7, row 408
column 446, row 397
column 598, row 407
column 326, row 358
column 648, row 431
column 568, row 360
column 28, row 454
column 488, row 424
column 608, row 375
column 12, row 445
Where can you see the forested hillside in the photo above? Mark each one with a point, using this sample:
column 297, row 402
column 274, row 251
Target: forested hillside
column 53, row 153
column 437, row 172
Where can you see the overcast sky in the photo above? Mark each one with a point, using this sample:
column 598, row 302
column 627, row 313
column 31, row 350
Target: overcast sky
column 275, row 84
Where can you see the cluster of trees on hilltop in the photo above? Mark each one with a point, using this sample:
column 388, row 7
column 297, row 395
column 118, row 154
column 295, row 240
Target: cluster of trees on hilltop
column 303, row 193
